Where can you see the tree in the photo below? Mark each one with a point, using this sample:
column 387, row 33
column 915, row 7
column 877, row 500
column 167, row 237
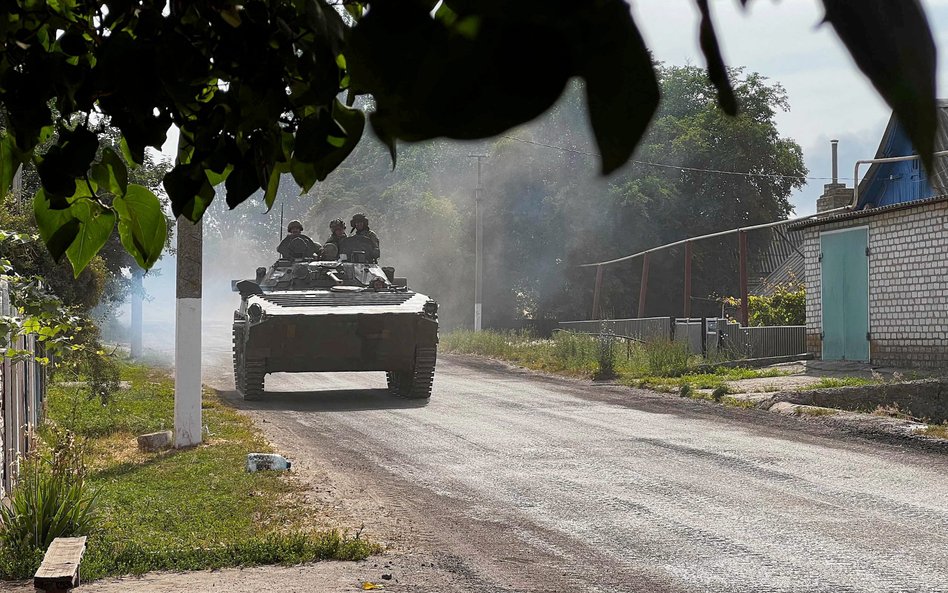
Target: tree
column 542, row 219
column 254, row 87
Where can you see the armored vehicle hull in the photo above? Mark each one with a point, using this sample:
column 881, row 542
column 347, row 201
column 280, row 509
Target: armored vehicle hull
column 289, row 321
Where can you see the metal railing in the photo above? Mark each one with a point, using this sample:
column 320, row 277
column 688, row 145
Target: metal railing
column 638, row 330
column 771, row 341
column 722, row 338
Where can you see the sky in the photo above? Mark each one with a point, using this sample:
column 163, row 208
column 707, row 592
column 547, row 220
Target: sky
column 784, row 41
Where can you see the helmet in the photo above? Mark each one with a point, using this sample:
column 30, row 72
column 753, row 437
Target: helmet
column 294, row 223
column 360, row 217
column 337, row 223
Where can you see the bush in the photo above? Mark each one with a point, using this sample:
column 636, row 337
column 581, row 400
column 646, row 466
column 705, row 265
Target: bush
column 606, row 357
column 719, row 392
column 665, row 358
column 50, row 500
column 785, row 306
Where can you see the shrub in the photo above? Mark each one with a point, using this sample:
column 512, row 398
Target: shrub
column 606, row 356
column 665, row 358
column 686, row 390
column 785, row 306
column 51, row 499
column 719, row 392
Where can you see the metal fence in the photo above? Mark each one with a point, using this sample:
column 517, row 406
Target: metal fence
column 721, row 337
column 688, row 332
column 22, row 391
column 764, row 342
column 634, row 329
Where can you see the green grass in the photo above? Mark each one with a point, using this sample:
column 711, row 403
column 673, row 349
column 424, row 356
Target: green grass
column 664, row 366
column 186, row 509
column 815, row 411
column 936, row 430
column 832, row 382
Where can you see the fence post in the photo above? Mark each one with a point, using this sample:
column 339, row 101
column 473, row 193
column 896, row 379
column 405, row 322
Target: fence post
column 687, row 279
column 643, row 288
column 745, row 313
column 704, row 337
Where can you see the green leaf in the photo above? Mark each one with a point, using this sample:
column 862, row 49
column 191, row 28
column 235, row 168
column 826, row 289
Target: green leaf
column 273, row 185
column 57, row 228
column 216, row 179
column 110, row 173
column 127, row 153
column 304, row 174
column 189, row 189
column 142, row 224
column 717, row 72
column 621, row 87
column 892, row 44
column 352, row 123
column 97, row 224
column 8, row 163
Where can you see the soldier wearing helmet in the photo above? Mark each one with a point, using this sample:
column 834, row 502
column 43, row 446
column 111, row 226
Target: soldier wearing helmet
column 360, row 225
column 337, row 229
column 296, row 244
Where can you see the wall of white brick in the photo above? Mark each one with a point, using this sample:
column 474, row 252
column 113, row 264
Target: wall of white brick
column 908, row 285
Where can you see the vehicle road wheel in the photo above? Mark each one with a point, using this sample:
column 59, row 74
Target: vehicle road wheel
column 416, row 384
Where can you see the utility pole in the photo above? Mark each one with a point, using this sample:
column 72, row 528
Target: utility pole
column 478, row 245
column 187, row 330
column 187, row 335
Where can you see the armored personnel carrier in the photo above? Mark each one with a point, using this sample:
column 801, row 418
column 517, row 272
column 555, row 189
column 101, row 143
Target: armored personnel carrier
column 347, row 314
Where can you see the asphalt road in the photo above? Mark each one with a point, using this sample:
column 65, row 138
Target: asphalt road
column 513, row 481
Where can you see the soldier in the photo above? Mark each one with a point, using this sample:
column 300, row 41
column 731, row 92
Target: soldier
column 360, row 224
column 296, row 244
column 338, row 229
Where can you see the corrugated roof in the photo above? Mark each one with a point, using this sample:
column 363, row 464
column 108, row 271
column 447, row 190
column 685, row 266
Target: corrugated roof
column 793, row 269
column 865, row 213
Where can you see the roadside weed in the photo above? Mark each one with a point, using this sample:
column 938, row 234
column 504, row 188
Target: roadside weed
column 187, row 509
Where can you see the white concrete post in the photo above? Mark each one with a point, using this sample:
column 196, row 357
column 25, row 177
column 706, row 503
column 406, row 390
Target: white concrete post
column 187, row 340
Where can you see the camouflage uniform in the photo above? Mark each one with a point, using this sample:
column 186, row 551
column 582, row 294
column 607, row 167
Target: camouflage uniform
column 366, row 232
column 374, row 238
column 311, row 248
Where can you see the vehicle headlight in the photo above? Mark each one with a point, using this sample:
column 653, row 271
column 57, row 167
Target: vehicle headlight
column 431, row 308
column 255, row 312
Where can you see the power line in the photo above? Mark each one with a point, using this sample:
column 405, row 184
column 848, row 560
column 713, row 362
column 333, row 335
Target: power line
column 677, row 167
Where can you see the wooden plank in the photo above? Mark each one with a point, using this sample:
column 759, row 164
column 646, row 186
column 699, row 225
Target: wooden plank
column 60, row 568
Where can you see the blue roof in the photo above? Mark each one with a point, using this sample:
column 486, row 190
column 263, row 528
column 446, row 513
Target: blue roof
column 894, row 183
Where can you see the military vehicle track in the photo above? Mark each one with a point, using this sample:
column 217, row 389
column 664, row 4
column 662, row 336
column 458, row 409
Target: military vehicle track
column 415, row 384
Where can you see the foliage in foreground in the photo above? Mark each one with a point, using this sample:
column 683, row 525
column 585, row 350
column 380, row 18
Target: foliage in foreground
column 52, row 499
column 253, row 87
column 180, row 510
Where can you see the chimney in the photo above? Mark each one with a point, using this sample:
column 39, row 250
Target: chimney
column 835, row 194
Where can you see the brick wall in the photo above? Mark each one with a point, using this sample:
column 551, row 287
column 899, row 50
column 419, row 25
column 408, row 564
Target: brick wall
column 908, row 285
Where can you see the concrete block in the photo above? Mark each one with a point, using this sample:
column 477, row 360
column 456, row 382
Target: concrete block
column 155, row 441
